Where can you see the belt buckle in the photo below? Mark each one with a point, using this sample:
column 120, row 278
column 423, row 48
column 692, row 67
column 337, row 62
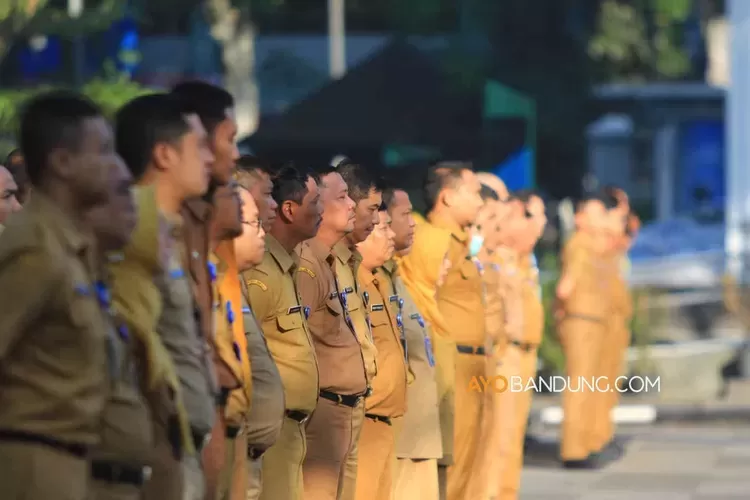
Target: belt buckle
column 205, row 441
column 146, row 472
column 339, row 399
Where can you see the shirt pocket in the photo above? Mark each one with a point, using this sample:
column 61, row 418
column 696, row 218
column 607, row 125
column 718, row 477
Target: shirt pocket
column 468, row 269
column 287, row 322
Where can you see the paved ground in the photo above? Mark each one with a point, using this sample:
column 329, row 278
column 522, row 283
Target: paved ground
column 674, row 462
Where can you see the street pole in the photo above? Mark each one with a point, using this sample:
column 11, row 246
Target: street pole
column 75, row 8
column 336, row 38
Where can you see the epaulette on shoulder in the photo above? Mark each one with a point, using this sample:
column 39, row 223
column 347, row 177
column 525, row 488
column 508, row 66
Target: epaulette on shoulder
column 307, row 271
column 258, row 283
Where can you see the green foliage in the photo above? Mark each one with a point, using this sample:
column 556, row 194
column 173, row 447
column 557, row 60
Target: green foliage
column 110, row 91
column 550, row 351
column 639, row 41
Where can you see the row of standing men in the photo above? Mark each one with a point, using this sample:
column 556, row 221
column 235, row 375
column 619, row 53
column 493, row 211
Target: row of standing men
column 182, row 323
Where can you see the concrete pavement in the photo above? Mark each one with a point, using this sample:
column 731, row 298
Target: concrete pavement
column 663, row 462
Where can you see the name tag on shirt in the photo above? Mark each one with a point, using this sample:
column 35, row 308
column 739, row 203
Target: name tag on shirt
column 333, row 295
column 377, row 307
column 348, row 290
column 294, row 309
column 83, row 290
column 393, row 298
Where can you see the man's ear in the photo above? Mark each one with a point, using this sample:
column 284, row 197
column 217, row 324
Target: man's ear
column 287, row 210
column 446, row 197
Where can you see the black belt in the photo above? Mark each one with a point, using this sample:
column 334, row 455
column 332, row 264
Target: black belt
column 350, row 400
column 111, row 472
column 254, row 453
column 232, row 431
column 298, row 416
column 470, row 349
column 378, row 418
column 524, row 346
column 77, row 450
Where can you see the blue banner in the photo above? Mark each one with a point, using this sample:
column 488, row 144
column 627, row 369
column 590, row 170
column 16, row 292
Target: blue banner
column 516, row 170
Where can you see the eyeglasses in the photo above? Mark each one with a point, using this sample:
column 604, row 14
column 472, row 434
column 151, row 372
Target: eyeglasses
column 256, row 224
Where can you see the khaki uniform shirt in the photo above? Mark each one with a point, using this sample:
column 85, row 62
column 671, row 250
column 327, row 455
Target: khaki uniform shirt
column 267, row 415
column 179, row 333
column 590, row 296
column 495, row 313
column 272, row 290
column 340, row 361
column 51, row 325
column 511, row 286
column 460, row 298
column 196, row 214
column 225, row 314
column 420, row 437
column 388, row 398
column 347, row 266
column 531, row 296
column 622, row 299
column 126, row 430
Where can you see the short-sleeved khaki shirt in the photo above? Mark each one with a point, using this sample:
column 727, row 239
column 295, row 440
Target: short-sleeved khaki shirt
column 272, row 292
column 54, row 369
column 340, row 361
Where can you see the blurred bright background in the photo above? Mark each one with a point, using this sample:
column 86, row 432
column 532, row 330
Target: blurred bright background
column 561, row 95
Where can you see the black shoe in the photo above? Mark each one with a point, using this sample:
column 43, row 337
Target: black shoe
column 611, row 452
column 585, row 464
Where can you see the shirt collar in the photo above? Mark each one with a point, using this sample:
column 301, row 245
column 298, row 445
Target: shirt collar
column 320, row 250
column 199, row 208
column 73, row 237
column 342, row 251
column 390, row 267
column 445, row 223
column 280, row 255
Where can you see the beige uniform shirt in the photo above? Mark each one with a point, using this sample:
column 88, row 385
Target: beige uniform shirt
column 272, row 291
column 388, row 398
column 54, row 335
column 265, row 419
column 420, row 437
column 340, row 361
column 347, row 266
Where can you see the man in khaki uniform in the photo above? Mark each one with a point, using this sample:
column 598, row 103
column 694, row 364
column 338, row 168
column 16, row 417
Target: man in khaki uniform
column 215, row 108
column 387, row 403
column 617, row 339
column 519, row 352
column 418, row 444
column 583, row 290
column 52, row 321
column 226, row 225
column 120, row 463
column 8, row 191
column 453, row 201
column 165, row 148
column 331, row 431
column 277, row 305
column 367, row 196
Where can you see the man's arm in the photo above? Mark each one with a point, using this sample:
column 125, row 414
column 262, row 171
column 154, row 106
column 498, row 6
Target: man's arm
column 26, row 284
column 310, row 285
column 262, row 295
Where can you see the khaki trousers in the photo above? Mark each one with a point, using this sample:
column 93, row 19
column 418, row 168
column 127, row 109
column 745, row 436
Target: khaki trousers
column 214, row 455
column 331, row 434
column 254, row 478
column 581, row 342
column 99, row 490
column 442, row 481
column 377, row 460
column 612, row 365
column 30, row 471
column 416, row 479
column 241, row 463
column 467, row 426
column 226, row 475
column 348, row 480
column 167, row 480
column 282, row 464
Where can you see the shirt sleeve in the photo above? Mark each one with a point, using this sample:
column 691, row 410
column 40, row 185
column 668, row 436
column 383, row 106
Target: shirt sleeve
column 309, row 285
column 26, row 285
column 262, row 294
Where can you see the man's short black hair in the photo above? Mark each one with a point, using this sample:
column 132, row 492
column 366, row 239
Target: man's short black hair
column 207, row 101
column 50, row 121
column 358, row 179
column 145, row 122
column 439, row 176
column 289, row 184
column 487, row 193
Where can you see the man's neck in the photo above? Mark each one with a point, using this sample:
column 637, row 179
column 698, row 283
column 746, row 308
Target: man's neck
column 443, row 215
column 65, row 201
column 365, row 266
column 167, row 199
column 285, row 236
column 328, row 238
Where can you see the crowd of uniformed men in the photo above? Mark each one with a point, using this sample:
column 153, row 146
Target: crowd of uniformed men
column 178, row 322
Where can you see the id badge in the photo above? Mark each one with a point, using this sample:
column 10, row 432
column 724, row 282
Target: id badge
column 428, row 350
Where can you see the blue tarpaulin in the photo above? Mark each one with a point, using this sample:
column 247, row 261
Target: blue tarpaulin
column 516, row 170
